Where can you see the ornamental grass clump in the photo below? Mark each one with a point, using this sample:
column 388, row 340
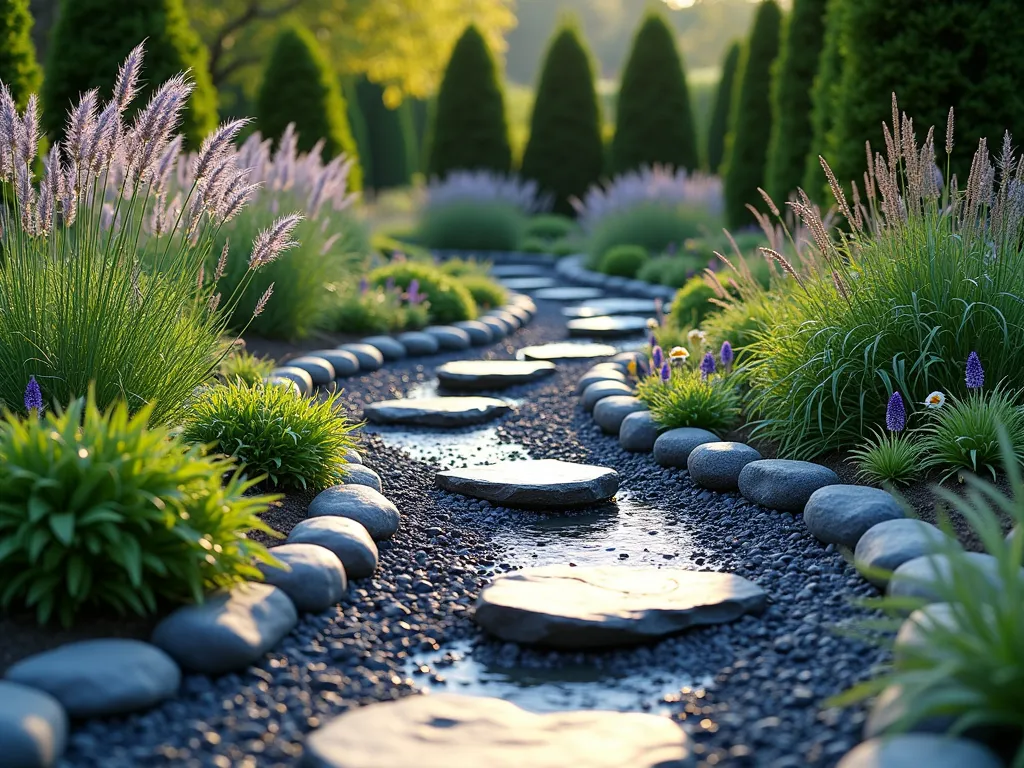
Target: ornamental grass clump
column 680, row 395
column 894, row 456
column 245, row 366
column 278, row 436
column 100, row 511
column 104, row 277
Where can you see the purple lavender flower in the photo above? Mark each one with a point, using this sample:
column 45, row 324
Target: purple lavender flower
column 666, row 372
column 707, row 365
column 726, row 355
column 659, row 356
column 33, row 396
column 414, row 292
column 975, row 373
column 364, row 286
column 652, row 340
column 896, row 414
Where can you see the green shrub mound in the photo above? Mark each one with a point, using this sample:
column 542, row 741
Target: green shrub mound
column 276, row 434
column 565, row 246
column 377, row 311
column 692, row 303
column 99, row 511
column 19, row 69
column 824, row 93
column 565, row 151
column 244, row 366
column 688, row 400
column 299, row 86
column 472, row 226
column 549, row 226
column 654, row 121
column 469, row 130
column 652, row 225
column 449, row 300
column 485, row 292
column 722, row 110
column 797, row 65
column 624, row 260
column 750, row 130
column 91, row 38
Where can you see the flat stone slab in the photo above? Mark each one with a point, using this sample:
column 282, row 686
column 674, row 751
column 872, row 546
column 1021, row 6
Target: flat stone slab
column 889, row 544
column 492, row 374
column 437, row 411
column 528, row 283
column 717, row 466
column 391, row 348
column 608, row 327
column 599, row 390
column 923, row 577
column 673, row 448
column 418, row 343
column 540, row 483
column 841, row 514
column 348, row 539
column 360, row 503
column 449, row 731
column 638, row 432
column 612, row 306
column 783, row 484
column 576, row 608
column 567, row 351
column 907, row 750
column 568, row 293
column 610, row 412
column 229, row 631
column 313, row 577
column 33, row 727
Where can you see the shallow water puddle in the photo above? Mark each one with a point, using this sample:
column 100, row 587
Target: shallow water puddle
column 422, row 390
column 450, row 449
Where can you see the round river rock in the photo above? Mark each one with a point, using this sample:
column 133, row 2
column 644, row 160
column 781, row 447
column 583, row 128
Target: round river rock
column 347, row 539
column 841, row 514
column 717, row 466
column 673, row 448
column 360, row 503
column 783, row 484
column 889, row 544
column 610, row 412
column 543, row 483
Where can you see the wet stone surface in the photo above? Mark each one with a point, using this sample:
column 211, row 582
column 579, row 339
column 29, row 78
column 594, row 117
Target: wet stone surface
column 567, row 351
column 437, row 412
column 607, row 327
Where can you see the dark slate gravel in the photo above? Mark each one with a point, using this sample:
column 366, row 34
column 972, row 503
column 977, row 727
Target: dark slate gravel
column 750, row 694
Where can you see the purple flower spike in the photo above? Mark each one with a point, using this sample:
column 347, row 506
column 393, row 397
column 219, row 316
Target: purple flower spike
column 659, row 357
column 33, row 396
column 666, row 372
column 975, row 373
column 414, row 292
column 707, row 365
column 896, row 414
column 652, row 341
column 364, row 286
column 726, row 355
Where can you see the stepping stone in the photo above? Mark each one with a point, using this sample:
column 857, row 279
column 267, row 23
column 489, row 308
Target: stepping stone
column 566, row 351
column 841, row 514
column 94, row 678
column 502, row 271
column 613, row 306
column 608, row 327
column 479, row 333
column 888, row 545
column 594, row 376
column 492, row 374
column 907, row 750
column 319, row 369
column 639, row 432
column 449, row 337
column 228, row 631
column 577, row 608
column 390, row 349
column 360, row 503
column 417, row 343
column 568, row 293
column 610, row 412
column 370, row 358
column 528, row 283
column 673, row 448
column 281, row 381
column 360, row 475
column 301, row 378
column 313, row 577
column 344, row 363
column 924, row 577
column 450, row 731
column 783, row 484
column 717, row 466
column 346, row 538
column 597, row 391
column 498, row 328
column 33, row 727
column 542, row 483
column 437, row 411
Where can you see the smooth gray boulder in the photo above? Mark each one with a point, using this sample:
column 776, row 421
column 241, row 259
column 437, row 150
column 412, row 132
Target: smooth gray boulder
column 357, row 474
column 566, row 350
column 499, row 329
column 920, row 750
column 391, row 349
column 491, row 374
column 924, row 577
column 673, row 448
column 578, row 608
column 544, row 483
column 446, row 730
column 480, row 335
column 638, row 432
column 313, row 576
column 417, row 343
column 344, row 363
column 783, row 484
column 889, row 544
column 301, row 378
column 437, row 411
column 841, row 514
column 319, row 369
column 370, row 358
column 604, row 374
column 360, row 503
column 353, row 457
column 599, row 390
column 346, row 538
column 449, row 337
column 717, row 466
column 610, row 412
column 33, row 727
column 229, row 631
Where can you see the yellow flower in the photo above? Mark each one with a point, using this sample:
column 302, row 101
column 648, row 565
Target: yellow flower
column 679, row 354
column 652, row 324
column 631, row 367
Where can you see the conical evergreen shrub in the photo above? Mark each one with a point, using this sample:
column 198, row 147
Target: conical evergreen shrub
column 654, row 120
column 747, row 145
column 823, row 100
column 565, row 152
column 722, row 110
column 796, row 68
column 90, row 40
column 299, row 87
column 18, row 66
column 470, row 131
column 389, row 137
